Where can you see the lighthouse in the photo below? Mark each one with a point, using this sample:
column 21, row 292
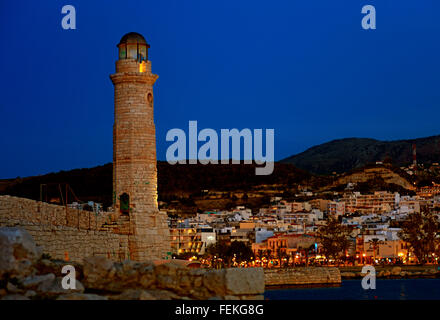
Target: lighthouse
column 134, row 151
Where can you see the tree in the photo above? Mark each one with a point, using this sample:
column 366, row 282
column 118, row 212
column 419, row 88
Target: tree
column 268, row 255
column 420, row 230
column 240, row 251
column 218, row 250
column 334, row 238
column 374, row 243
column 307, row 252
column 281, row 254
column 284, row 256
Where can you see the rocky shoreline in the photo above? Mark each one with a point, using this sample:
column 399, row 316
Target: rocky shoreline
column 26, row 274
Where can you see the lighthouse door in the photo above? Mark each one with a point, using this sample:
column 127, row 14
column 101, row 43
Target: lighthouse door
column 124, row 203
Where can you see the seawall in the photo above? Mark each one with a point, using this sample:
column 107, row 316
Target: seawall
column 302, row 276
column 68, row 233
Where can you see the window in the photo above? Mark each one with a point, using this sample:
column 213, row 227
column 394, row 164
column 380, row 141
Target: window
column 122, row 52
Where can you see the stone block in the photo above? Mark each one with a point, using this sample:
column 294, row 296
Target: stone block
column 244, row 281
column 18, row 252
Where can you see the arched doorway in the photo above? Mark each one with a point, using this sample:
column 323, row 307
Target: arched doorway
column 124, row 204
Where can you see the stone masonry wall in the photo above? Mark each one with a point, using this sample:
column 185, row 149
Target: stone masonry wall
column 26, row 275
column 71, row 233
column 15, row 210
column 302, row 276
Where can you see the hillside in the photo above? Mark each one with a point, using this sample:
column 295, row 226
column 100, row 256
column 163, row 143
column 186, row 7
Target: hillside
column 374, row 178
column 346, row 154
column 174, row 181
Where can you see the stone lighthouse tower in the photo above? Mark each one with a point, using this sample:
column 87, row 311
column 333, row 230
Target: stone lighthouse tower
column 134, row 151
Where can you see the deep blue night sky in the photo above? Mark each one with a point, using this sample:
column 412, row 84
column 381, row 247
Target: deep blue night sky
column 305, row 68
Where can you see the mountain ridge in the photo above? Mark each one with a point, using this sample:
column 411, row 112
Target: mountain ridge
column 342, row 155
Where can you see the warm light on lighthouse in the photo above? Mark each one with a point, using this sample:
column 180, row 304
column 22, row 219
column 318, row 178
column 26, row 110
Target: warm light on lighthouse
column 143, row 66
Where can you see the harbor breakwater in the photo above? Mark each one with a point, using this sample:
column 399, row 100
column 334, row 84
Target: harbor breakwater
column 393, row 272
column 302, row 276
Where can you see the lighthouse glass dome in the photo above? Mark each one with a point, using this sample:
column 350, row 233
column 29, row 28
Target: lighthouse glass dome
column 133, row 46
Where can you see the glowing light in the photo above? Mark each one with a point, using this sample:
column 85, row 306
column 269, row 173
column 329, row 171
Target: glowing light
column 142, row 67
